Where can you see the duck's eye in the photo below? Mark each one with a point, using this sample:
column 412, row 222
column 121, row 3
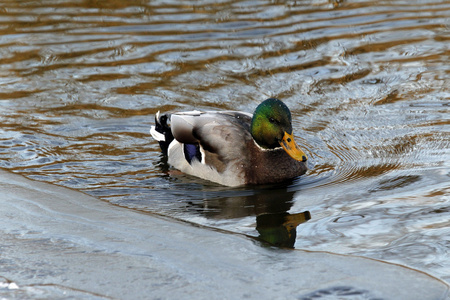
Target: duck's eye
column 272, row 120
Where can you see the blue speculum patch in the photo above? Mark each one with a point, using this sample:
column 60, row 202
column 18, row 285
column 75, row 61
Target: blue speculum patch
column 192, row 151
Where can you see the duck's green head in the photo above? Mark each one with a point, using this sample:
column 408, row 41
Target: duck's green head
column 271, row 128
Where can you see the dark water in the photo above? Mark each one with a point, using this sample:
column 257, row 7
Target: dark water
column 367, row 83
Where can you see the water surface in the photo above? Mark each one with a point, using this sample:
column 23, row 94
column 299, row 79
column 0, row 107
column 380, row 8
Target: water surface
column 367, row 83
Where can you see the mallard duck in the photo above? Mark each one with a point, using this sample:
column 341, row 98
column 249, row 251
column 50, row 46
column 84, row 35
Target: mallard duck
column 232, row 148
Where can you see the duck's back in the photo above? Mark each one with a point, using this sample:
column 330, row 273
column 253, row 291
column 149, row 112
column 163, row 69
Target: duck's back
column 209, row 145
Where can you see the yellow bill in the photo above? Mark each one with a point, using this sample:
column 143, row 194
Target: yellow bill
column 291, row 147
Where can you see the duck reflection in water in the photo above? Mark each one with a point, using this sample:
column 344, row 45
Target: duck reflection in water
column 280, row 229
column 274, row 224
column 270, row 205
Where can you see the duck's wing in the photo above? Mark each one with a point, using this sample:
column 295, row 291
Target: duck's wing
column 223, row 134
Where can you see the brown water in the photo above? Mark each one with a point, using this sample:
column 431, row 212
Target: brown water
column 367, row 83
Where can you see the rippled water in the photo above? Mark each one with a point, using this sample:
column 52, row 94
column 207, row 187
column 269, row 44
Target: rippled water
column 367, row 83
